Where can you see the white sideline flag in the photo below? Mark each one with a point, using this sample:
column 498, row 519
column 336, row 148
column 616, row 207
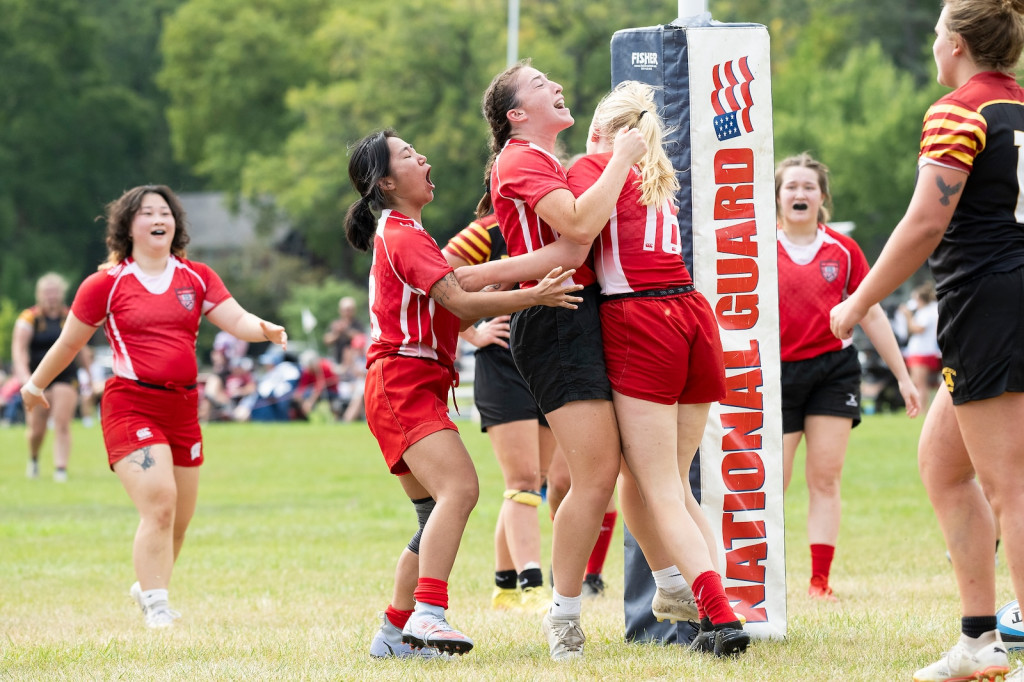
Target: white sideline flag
column 308, row 320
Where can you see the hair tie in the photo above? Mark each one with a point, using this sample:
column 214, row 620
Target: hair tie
column 638, row 118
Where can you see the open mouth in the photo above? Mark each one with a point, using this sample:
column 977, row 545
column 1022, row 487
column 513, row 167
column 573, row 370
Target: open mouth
column 800, row 207
column 428, row 178
column 158, row 233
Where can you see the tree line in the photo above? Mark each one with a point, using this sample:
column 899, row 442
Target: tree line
column 261, row 98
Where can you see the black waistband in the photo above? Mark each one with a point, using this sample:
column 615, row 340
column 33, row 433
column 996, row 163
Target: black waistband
column 650, row 293
column 159, row 387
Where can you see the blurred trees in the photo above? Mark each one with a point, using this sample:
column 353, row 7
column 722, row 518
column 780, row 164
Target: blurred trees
column 261, row 98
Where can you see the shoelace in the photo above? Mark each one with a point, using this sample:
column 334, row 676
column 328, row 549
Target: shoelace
column 564, row 632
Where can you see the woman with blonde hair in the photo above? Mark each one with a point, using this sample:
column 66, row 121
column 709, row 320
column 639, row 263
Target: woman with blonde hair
column 664, row 359
column 36, row 329
column 966, row 219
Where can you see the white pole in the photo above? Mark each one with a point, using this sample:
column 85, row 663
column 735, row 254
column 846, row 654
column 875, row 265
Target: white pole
column 691, row 8
column 512, row 55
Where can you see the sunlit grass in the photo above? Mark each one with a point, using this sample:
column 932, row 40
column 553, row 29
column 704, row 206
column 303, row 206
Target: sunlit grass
column 291, row 556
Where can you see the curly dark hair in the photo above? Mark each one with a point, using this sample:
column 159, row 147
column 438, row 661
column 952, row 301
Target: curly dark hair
column 122, row 211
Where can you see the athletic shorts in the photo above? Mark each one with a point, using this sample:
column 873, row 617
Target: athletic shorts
column 559, row 353
column 499, row 392
column 981, row 325
column 663, row 349
column 406, row 400
column 827, row 385
column 135, row 416
column 932, row 362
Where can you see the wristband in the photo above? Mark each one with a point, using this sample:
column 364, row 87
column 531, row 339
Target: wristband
column 33, row 389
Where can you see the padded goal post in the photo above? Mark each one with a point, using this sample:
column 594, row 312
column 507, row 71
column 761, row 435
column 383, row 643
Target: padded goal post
column 714, row 91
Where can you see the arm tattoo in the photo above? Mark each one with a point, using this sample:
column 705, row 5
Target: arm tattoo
column 441, row 291
column 947, row 191
column 142, row 458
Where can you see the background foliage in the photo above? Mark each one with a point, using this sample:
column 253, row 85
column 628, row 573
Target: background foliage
column 260, row 98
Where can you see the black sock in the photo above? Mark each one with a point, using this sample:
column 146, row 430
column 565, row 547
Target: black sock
column 975, row 626
column 506, row 580
column 531, row 577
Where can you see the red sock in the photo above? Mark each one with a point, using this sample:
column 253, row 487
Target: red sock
column 604, row 540
column 707, row 588
column 432, row 591
column 396, row 617
column 821, row 559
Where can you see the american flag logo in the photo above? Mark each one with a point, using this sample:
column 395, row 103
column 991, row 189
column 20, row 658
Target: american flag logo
column 731, row 98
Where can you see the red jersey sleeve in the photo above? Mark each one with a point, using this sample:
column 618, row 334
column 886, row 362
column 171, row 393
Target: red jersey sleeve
column 416, row 258
column 584, row 173
column 216, row 293
column 91, row 299
column 529, row 174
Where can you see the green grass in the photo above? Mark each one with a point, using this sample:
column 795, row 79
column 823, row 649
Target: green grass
column 291, row 555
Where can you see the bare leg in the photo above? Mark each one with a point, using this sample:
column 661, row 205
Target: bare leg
column 148, row 477
column 988, row 429
column 444, row 468
column 588, row 436
column 960, row 506
column 517, row 448
column 63, row 401
column 827, row 438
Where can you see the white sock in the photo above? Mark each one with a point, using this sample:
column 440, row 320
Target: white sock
column 565, row 608
column 429, row 608
column 669, row 579
column 150, row 597
column 978, row 643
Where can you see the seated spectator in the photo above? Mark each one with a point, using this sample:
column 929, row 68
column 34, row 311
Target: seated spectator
column 275, row 389
column 317, row 382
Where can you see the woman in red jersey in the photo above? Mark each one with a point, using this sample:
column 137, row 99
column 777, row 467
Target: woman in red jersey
column 664, row 360
column 416, row 308
column 559, row 354
column 149, row 300
column 966, row 218
column 818, row 268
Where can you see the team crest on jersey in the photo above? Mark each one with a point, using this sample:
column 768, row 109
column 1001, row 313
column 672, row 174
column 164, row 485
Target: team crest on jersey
column 186, row 297
column 830, row 270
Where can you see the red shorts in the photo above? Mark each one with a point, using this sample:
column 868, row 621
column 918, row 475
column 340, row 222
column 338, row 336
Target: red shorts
column 932, row 362
column 406, row 400
column 134, row 416
column 665, row 350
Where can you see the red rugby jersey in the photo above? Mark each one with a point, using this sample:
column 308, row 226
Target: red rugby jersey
column 639, row 247
column 404, row 320
column 151, row 322
column 814, row 278
column 522, row 175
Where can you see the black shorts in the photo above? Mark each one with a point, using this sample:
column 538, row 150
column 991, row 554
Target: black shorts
column 981, row 327
column 559, row 353
column 499, row 392
column 827, row 385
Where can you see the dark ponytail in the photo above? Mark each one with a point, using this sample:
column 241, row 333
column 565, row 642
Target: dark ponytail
column 501, row 96
column 369, row 162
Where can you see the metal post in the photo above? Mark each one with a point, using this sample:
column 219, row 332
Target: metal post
column 512, row 55
column 691, row 8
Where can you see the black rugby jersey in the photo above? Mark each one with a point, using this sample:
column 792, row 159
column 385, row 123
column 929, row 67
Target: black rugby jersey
column 979, row 128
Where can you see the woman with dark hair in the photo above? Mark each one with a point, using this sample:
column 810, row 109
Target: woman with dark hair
column 416, row 311
column 966, row 218
column 149, row 299
column 558, row 354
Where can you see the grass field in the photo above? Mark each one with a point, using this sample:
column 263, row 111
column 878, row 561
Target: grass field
column 291, row 556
